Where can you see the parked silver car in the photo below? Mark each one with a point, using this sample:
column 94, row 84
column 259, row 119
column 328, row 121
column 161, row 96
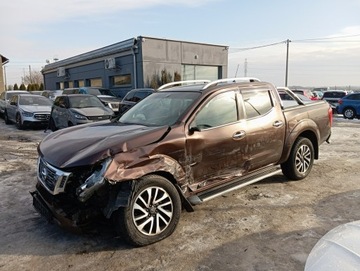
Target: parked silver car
column 28, row 110
column 74, row 109
column 6, row 96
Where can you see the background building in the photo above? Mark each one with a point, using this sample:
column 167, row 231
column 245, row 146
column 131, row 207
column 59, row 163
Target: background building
column 137, row 63
column 3, row 60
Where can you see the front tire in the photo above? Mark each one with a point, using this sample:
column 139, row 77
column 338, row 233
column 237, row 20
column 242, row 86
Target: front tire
column 52, row 125
column 300, row 161
column 6, row 118
column 153, row 212
column 19, row 125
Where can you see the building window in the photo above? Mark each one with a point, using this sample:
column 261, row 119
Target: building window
column 95, row 82
column 121, row 80
column 194, row 72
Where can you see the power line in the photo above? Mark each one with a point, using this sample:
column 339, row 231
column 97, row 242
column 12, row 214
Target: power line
column 297, row 41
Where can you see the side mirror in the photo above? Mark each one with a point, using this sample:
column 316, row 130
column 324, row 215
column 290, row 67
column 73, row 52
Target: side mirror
column 13, row 103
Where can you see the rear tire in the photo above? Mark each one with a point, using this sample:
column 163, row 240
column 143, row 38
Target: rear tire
column 153, row 212
column 349, row 113
column 300, row 161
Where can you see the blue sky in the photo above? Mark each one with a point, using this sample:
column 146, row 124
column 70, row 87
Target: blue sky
column 324, row 48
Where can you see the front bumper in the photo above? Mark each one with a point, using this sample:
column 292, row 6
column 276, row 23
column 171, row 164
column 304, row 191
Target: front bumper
column 66, row 215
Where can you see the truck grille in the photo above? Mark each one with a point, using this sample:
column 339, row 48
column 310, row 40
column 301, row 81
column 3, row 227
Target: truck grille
column 53, row 179
column 42, row 116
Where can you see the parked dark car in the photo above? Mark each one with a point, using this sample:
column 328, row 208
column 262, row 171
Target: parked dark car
column 108, row 99
column 52, row 94
column 133, row 97
column 74, row 109
column 26, row 110
column 6, row 96
column 349, row 106
column 177, row 148
column 333, row 97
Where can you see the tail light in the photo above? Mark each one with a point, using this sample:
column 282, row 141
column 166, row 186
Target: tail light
column 330, row 114
column 340, row 101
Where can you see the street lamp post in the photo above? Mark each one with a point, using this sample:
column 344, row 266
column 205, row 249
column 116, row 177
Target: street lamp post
column 287, row 62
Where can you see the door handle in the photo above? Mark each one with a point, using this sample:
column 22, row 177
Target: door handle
column 278, row 123
column 239, row 134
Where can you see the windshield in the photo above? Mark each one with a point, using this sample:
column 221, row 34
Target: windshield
column 94, row 91
column 34, row 100
column 105, row 91
column 159, row 109
column 84, row 101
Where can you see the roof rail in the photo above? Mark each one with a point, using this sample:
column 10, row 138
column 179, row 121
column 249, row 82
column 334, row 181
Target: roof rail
column 231, row 80
column 187, row 82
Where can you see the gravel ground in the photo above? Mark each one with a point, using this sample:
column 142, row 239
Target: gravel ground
column 270, row 225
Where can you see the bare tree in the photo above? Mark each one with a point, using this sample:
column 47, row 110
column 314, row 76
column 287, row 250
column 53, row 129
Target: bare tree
column 34, row 77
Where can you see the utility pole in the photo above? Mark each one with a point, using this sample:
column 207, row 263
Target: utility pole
column 245, row 67
column 287, row 62
column 30, row 74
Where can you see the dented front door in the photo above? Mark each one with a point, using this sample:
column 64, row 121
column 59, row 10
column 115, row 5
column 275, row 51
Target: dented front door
column 216, row 145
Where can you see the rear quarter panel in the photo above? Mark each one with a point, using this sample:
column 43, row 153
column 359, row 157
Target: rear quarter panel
column 310, row 120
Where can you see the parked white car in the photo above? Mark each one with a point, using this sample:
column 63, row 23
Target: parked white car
column 6, row 96
column 28, row 110
column 74, row 109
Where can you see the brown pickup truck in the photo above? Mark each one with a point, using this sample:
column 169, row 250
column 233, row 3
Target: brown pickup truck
column 179, row 147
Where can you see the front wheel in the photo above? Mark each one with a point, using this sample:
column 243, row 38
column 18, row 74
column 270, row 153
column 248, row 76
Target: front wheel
column 300, row 161
column 18, row 120
column 6, row 118
column 52, row 125
column 153, row 212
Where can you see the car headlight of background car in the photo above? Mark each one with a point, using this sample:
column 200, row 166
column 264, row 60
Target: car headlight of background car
column 26, row 113
column 79, row 116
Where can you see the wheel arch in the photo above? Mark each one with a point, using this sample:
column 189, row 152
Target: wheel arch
column 122, row 197
column 307, row 129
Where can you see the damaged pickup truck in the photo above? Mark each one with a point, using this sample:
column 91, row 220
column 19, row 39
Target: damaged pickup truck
column 179, row 147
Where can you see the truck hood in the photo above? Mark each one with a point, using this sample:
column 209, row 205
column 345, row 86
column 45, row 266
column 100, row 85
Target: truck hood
column 86, row 144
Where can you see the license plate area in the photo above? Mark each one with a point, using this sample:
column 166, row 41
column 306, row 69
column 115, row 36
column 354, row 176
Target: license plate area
column 41, row 206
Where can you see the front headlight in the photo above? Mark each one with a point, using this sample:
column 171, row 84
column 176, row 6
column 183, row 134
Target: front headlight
column 79, row 116
column 93, row 182
column 26, row 113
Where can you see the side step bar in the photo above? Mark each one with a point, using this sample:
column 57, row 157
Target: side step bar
column 234, row 185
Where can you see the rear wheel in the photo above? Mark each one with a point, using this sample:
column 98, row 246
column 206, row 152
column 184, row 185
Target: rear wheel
column 349, row 113
column 153, row 212
column 300, row 161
